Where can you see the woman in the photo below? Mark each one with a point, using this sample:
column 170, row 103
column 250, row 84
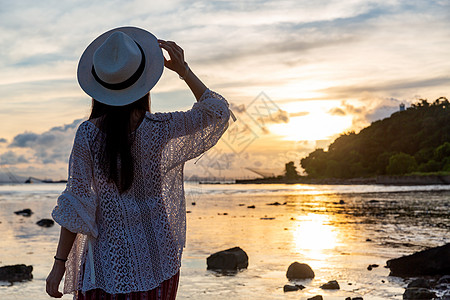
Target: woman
column 122, row 214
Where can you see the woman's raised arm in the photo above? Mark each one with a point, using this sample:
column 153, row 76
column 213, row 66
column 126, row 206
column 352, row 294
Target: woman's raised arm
column 177, row 64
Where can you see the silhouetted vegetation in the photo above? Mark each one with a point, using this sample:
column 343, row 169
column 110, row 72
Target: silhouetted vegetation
column 290, row 171
column 415, row 140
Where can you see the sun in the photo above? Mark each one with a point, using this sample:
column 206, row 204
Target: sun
column 316, row 124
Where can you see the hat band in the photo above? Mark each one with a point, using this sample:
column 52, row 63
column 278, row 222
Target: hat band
column 127, row 83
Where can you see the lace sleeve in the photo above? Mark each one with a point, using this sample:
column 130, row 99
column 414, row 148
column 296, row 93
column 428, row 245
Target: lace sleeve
column 200, row 128
column 77, row 205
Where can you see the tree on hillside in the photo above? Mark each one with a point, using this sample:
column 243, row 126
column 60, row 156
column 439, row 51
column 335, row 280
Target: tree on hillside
column 419, row 137
column 401, row 163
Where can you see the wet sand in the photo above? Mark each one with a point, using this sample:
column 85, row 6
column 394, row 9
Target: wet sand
column 313, row 228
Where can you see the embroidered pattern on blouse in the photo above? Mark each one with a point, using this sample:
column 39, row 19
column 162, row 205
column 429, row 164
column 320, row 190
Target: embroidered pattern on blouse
column 137, row 237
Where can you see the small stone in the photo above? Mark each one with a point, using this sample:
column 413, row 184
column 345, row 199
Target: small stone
column 317, row 297
column 193, row 203
column 419, row 283
column 274, row 203
column 267, row 218
column 418, row 293
column 45, row 223
column 330, row 285
column 188, row 211
column 251, row 206
column 341, row 202
column 25, row 212
column 368, row 240
column 241, row 204
column 290, row 288
column 299, row 271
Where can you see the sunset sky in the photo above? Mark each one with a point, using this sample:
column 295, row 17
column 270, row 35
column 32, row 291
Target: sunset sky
column 296, row 73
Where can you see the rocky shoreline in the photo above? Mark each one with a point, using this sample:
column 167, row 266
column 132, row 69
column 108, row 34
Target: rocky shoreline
column 381, row 180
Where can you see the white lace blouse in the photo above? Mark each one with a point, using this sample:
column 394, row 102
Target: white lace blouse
column 134, row 241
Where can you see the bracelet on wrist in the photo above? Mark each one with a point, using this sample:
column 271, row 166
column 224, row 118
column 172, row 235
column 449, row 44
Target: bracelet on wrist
column 60, row 259
column 186, row 71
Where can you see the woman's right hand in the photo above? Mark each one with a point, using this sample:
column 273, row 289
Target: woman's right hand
column 176, row 62
column 54, row 278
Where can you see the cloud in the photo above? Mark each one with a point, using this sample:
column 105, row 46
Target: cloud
column 3, row 140
column 11, row 158
column 337, row 112
column 52, row 146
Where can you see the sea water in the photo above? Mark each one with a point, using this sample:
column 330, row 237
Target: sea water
column 336, row 229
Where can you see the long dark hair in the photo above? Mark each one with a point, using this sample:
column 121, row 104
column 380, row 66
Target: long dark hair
column 116, row 124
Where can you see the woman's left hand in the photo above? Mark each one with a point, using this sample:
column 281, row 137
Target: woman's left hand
column 54, row 279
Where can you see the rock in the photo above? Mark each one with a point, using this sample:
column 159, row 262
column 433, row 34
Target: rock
column 45, row 223
column 274, row 203
column 299, row 271
column 290, row 288
column 25, row 212
column 370, row 267
column 368, row 240
column 330, row 285
column 355, row 298
column 418, row 293
column 241, row 204
column 251, row 206
column 230, row 259
column 16, row 273
column 267, row 218
column 317, row 297
column 419, row 283
column 193, row 203
column 341, row 202
column 434, row 261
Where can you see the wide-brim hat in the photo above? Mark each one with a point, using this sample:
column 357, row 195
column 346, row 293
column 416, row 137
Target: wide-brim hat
column 121, row 66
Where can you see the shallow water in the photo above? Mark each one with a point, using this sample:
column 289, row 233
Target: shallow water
column 312, row 227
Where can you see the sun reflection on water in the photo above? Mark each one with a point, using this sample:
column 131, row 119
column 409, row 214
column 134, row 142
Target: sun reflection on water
column 313, row 235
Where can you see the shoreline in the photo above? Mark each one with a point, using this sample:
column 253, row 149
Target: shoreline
column 379, row 180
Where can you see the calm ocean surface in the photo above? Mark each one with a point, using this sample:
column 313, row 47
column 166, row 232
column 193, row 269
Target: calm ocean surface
column 312, row 227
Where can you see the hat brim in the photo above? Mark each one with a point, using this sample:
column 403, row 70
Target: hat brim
column 154, row 66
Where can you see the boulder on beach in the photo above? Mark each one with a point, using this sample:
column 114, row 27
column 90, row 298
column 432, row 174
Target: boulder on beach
column 45, row 223
column 230, row 259
column 433, row 261
column 317, row 297
column 24, row 212
column 299, row 271
column 354, row 298
column 418, row 293
column 292, row 288
column 330, row 285
column 16, row 273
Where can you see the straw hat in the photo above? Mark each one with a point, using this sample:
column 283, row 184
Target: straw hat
column 120, row 66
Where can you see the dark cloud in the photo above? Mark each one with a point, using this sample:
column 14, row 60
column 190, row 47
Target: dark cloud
column 11, row 158
column 3, row 140
column 22, row 140
column 51, row 146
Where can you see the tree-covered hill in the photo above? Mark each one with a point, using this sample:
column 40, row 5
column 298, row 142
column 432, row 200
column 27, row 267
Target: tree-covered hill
column 414, row 140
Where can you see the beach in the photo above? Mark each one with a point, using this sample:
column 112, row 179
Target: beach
column 336, row 229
